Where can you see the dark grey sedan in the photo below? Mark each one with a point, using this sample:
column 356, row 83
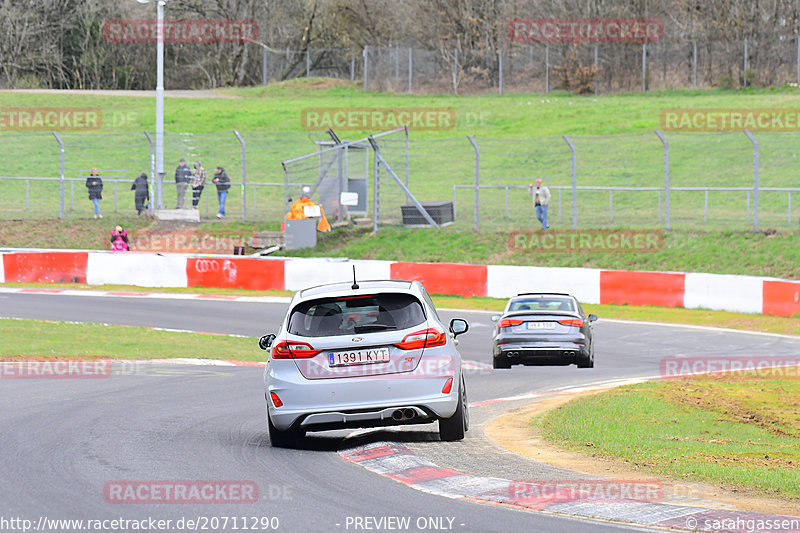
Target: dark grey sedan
column 543, row 329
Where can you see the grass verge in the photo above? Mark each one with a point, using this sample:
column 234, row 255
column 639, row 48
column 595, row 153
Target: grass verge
column 39, row 338
column 739, row 430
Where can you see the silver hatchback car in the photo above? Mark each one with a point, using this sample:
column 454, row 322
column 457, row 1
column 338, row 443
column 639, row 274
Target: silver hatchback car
column 367, row 354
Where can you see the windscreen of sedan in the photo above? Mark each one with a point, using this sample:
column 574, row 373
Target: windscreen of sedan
column 347, row 315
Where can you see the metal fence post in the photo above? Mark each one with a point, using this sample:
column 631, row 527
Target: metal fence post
column 790, row 208
column 574, row 184
column 744, row 71
column 798, row 59
column 596, row 65
column 72, row 195
column 666, row 178
column 644, row 66
column 705, row 208
column 477, row 179
column 244, row 176
column 152, row 171
column 376, row 193
column 365, row 53
column 611, row 205
column 455, row 71
column 755, row 178
column 264, row 67
column 408, row 164
column 410, row 70
column 308, row 62
column 547, row 69
column 500, row 68
column 396, row 62
column 61, row 173
column 694, row 63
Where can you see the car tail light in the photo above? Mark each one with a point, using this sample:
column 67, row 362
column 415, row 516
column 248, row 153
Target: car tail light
column 572, row 322
column 275, row 400
column 448, row 386
column 427, row 338
column 293, row 350
column 507, row 323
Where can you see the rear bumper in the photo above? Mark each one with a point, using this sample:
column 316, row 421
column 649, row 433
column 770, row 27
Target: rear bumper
column 322, row 404
column 546, row 353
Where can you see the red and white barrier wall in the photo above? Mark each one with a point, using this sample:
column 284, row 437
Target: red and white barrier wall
column 747, row 294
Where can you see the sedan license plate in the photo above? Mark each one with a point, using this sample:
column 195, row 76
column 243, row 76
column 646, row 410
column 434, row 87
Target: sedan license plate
column 541, row 325
column 358, row 357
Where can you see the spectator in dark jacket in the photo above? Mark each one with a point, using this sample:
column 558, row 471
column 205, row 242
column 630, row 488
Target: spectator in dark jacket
column 183, row 175
column 142, row 192
column 95, row 185
column 223, row 183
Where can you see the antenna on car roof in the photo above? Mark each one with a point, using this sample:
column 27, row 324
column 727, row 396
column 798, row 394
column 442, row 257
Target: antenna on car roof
column 355, row 283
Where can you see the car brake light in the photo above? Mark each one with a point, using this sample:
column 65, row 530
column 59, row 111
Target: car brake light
column 447, row 386
column 572, row 322
column 275, row 400
column 293, row 350
column 507, row 323
column 427, row 338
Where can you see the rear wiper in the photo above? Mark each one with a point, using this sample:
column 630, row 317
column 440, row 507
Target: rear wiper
column 365, row 328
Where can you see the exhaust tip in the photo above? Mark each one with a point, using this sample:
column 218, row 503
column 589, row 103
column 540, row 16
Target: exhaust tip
column 398, row 415
column 409, row 414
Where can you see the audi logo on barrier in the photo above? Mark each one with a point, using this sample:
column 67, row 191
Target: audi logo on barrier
column 228, row 268
column 206, row 265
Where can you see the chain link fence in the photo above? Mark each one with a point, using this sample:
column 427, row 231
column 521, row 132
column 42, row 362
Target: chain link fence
column 542, row 67
column 671, row 180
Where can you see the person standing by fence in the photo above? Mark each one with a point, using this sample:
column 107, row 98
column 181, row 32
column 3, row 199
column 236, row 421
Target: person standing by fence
column 198, row 182
column 541, row 199
column 95, row 185
column 142, row 193
column 223, row 183
column 183, row 175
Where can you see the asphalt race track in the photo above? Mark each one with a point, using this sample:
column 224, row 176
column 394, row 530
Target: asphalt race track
column 63, row 440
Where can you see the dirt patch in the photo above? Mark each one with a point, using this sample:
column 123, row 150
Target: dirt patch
column 514, row 433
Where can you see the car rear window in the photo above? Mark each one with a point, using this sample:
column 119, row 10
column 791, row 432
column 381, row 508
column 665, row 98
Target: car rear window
column 543, row 304
column 356, row 314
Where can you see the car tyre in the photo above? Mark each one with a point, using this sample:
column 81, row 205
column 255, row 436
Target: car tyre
column 280, row 438
column 588, row 360
column 453, row 428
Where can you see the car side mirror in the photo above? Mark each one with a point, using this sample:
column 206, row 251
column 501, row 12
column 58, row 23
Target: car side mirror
column 266, row 341
column 495, row 318
column 592, row 317
column 458, row 326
